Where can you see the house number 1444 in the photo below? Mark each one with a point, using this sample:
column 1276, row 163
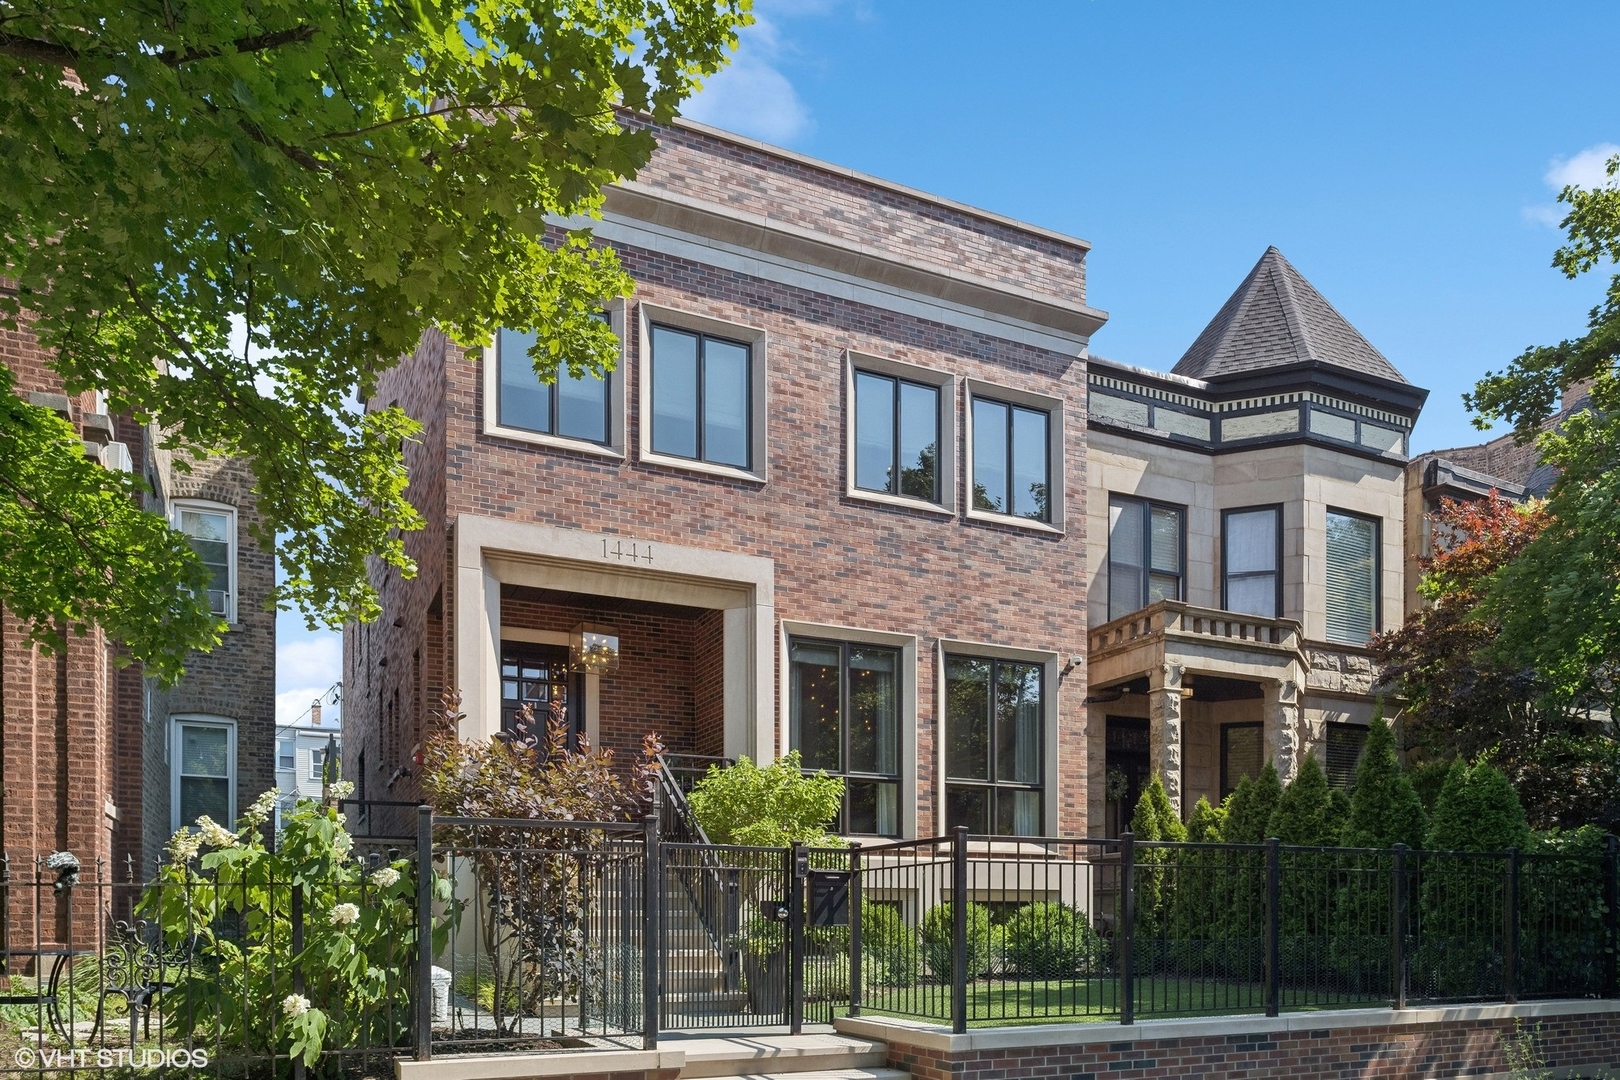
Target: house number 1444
column 623, row 552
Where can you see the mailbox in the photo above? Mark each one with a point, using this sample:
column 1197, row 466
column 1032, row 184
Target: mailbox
column 829, row 897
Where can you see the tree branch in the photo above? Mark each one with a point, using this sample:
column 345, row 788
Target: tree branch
column 273, row 39
column 44, row 52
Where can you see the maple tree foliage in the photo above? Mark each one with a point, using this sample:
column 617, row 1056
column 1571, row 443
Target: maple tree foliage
column 1468, row 697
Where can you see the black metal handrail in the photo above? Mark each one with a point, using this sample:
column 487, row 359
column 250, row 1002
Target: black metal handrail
column 713, row 898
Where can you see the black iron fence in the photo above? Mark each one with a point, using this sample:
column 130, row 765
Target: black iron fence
column 561, row 934
column 992, row 930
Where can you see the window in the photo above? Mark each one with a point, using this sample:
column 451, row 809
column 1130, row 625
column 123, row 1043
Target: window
column 897, row 441
column 844, row 718
column 202, row 771
column 1345, row 743
column 994, row 713
column 702, row 397
column 1242, row 754
column 1145, row 560
column 285, row 759
column 211, row 531
column 1352, row 578
column 317, row 764
column 570, row 407
column 1252, row 561
column 1012, row 447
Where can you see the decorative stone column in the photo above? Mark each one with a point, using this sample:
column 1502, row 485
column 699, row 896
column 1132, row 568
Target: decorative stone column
column 1282, row 726
column 1164, row 728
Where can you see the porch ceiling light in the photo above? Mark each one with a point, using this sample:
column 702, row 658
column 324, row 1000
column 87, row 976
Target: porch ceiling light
column 593, row 648
column 1186, row 686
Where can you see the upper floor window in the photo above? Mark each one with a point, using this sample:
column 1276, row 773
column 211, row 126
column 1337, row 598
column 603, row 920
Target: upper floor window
column 1251, row 561
column 286, row 759
column 317, row 764
column 1012, row 467
column 702, row 397
column 897, row 436
column 1146, row 561
column 994, row 719
column 211, row 531
column 202, row 771
column 1352, row 577
column 844, row 718
column 570, row 406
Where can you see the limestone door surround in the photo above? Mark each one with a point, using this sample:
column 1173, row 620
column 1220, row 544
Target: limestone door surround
column 490, row 552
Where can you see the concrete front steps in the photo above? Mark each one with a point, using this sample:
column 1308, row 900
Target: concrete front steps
column 818, row 1056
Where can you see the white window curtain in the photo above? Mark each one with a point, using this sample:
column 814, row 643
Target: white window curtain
column 1252, row 562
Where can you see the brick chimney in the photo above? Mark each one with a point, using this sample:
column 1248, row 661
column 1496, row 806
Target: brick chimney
column 315, row 713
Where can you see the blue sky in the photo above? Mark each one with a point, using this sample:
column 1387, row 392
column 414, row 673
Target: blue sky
column 1405, row 157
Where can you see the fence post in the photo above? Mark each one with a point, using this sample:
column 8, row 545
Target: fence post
column 297, row 919
column 798, row 868
column 959, row 928
column 1398, row 893
column 1126, row 932
column 424, row 934
column 1273, row 925
column 1611, row 921
column 855, row 929
column 651, row 918
column 1510, row 930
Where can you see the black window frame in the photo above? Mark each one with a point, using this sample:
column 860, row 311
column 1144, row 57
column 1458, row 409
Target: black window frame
column 993, row 785
column 844, row 772
column 1145, row 567
column 1377, row 575
column 1255, row 725
column 553, row 399
column 1012, row 407
column 703, row 338
column 1226, row 561
column 1335, row 773
column 938, row 497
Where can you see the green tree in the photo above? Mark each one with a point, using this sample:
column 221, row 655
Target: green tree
column 1205, row 823
column 1556, row 604
column 331, row 180
column 767, row 806
column 1384, row 806
column 1249, row 808
column 1155, row 818
column 1477, row 810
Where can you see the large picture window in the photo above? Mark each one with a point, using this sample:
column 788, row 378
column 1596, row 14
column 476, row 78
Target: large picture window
column 897, row 436
column 1146, row 562
column 1012, row 471
column 994, row 714
column 570, row 407
column 702, row 403
column 1352, row 578
column 202, row 771
column 211, row 531
column 1251, row 561
column 844, row 719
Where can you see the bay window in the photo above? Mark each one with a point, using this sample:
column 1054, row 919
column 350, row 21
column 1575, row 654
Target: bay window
column 1251, row 561
column 1352, row 578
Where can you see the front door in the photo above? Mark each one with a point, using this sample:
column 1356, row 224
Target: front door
column 1129, row 763
column 538, row 676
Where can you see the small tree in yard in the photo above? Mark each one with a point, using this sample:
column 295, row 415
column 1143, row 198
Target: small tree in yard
column 1249, row 808
column 768, row 806
column 537, row 882
column 1384, row 806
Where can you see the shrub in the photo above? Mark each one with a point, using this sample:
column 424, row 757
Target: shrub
column 1384, row 806
column 938, row 937
column 1304, row 813
column 1154, row 820
column 1477, row 810
column 1052, row 940
column 770, row 806
column 888, row 947
column 1205, row 823
column 1249, row 808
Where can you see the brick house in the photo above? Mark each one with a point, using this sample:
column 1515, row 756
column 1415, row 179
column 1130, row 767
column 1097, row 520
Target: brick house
column 856, row 468
column 97, row 759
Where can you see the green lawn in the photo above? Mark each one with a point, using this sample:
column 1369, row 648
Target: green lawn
column 998, row 1002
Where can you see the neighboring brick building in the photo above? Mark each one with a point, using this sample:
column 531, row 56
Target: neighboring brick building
column 775, row 578
column 93, row 754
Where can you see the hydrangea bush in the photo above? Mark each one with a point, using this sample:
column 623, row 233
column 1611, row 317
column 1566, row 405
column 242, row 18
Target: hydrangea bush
column 223, row 902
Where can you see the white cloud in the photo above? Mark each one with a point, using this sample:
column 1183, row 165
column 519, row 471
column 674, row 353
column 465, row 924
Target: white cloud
column 751, row 95
column 307, row 665
column 1587, row 169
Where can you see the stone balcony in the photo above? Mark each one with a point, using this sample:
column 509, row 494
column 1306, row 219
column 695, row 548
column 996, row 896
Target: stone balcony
column 1198, row 639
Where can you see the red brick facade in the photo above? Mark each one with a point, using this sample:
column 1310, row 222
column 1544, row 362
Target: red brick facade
column 839, row 561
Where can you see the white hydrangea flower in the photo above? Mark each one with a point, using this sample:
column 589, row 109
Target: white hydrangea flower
column 262, row 808
column 184, row 846
column 385, row 877
column 344, row 914
column 213, row 834
column 342, row 789
column 295, row 1005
